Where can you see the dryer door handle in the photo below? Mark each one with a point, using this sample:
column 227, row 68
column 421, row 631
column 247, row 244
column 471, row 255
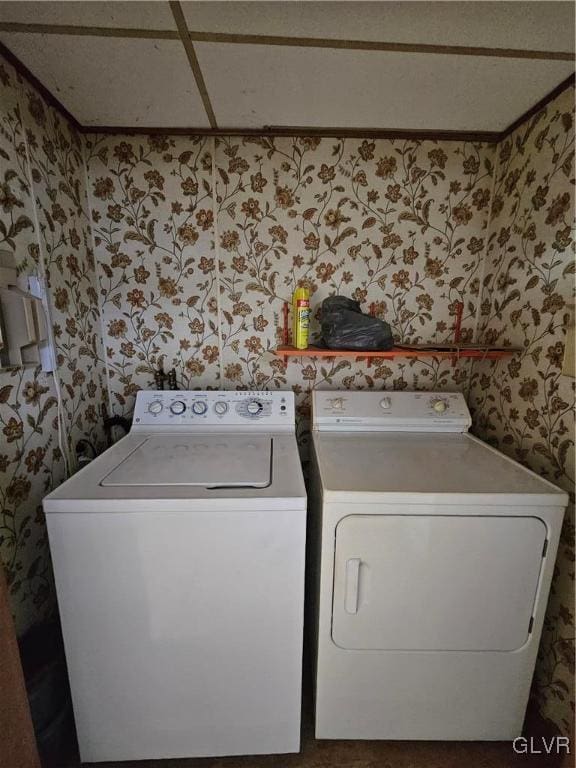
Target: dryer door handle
column 352, row 584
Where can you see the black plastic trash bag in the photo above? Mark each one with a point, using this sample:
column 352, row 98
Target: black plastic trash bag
column 344, row 326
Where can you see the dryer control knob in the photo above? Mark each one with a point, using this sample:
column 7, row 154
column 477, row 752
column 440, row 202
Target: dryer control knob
column 385, row 403
column 178, row 407
column 199, row 407
column 439, row 406
column 155, row 407
column 220, row 407
column 254, row 407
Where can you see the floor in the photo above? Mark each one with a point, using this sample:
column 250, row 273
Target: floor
column 354, row 754
column 366, row 754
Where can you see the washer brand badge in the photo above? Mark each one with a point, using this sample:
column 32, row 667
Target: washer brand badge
column 337, row 403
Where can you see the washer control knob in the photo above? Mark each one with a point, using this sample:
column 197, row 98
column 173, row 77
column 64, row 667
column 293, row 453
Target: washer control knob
column 199, row 407
column 385, row 403
column 220, row 407
column 155, row 407
column 177, row 407
column 254, row 407
column 439, row 406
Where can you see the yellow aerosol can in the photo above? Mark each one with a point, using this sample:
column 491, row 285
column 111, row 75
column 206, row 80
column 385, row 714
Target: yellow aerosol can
column 300, row 317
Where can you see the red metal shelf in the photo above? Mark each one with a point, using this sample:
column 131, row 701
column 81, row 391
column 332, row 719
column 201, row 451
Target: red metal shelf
column 428, row 350
column 454, row 351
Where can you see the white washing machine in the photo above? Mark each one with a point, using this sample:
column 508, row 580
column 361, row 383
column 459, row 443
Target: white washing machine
column 179, row 564
column 434, row 558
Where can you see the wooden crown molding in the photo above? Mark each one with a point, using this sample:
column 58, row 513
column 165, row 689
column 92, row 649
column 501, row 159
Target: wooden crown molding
column 569, row 82
column 332, row 132
column 284, row 40
column 490, row 137
column 40, row 87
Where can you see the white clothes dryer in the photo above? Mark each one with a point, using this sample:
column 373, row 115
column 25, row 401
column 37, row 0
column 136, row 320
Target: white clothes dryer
column 179, row 564
column 435, row 554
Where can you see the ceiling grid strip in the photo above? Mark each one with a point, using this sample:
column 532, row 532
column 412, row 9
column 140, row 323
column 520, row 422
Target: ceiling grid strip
column 284, row 40
column 88, row 31
column 178, row 14
column 376, row 45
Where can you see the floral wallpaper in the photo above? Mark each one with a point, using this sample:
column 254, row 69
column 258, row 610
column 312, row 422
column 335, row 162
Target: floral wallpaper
column 29, row 459
column 43, row 222
column 525, row 406
column 59, row 185
column 401, row 224
column 17, row 211
column 397, row 224
column 152, row 213
column 31, row 464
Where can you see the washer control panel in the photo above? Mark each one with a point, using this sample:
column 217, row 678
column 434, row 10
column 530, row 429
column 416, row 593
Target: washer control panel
column 214, row 409
column 391, row 411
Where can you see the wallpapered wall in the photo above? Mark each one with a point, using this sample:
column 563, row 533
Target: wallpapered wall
column 153, row 227
column 525, row 406
column 198, row 244
column 401, row 224
column 43, row 221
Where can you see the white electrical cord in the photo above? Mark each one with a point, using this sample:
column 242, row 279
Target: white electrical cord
column 46, row 305
column 69, row 465
column 60, row 405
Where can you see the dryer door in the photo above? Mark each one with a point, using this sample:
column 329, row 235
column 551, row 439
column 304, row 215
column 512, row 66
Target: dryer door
column 439, row 583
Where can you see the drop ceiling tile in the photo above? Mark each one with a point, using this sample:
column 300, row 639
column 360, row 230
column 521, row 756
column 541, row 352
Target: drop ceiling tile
column 254, row 86
column 530, row 24
column 111, row 81
column 142, row 15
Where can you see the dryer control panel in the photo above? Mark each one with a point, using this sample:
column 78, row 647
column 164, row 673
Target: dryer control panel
column 390, row 411
column 207, row 410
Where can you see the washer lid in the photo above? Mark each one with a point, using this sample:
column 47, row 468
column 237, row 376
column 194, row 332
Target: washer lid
column 209, row 461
